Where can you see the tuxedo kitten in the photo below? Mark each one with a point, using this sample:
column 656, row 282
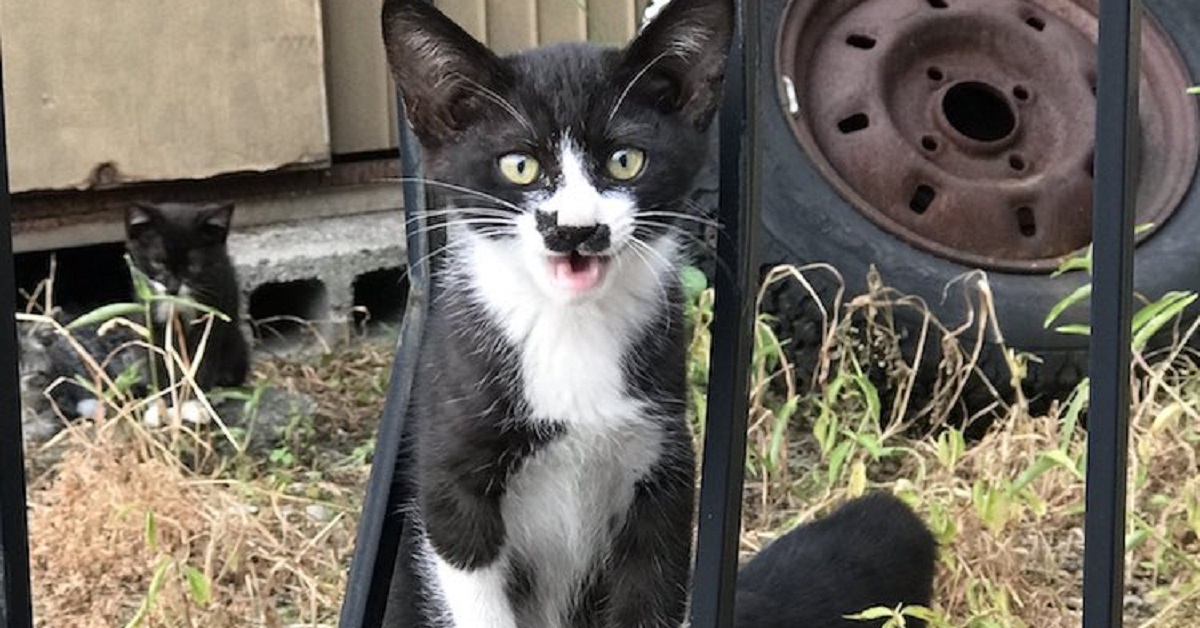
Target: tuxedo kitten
column 554, row 472
column 181, row 248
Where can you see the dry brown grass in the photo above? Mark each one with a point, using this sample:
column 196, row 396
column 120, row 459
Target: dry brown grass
column 273, row 539
column 1007, row 508
column 115, row 513
column 137, row 528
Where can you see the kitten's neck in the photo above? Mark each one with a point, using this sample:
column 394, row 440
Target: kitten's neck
column 557, row 342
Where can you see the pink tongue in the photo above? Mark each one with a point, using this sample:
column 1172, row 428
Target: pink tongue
column 576, row 273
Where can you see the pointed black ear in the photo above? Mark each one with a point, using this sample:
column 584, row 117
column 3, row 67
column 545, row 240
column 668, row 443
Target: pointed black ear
column 138, row 217
column 445, row 75
column 678, row 60
column 215, row 221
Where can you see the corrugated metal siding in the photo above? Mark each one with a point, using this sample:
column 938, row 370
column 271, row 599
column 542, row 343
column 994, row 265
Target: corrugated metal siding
column 469, row 14
column 562, row 20
column 611, row 21
column 512, row 25
column 361, row 94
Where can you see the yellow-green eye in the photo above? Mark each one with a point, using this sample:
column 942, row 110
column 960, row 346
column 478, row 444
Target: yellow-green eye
column 520, row 168
column 626, row 163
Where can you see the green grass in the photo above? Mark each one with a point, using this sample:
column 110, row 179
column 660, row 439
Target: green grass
column 171, row 528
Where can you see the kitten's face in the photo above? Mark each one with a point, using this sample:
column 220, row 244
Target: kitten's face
column 174, row 243
column 578, row 154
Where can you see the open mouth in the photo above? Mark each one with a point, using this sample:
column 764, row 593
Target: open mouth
column 576, row 273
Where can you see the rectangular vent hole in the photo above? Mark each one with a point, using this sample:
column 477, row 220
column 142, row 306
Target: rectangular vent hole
column 922, row 198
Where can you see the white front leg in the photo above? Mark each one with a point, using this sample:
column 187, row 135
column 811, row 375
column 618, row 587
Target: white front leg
column 476, row 598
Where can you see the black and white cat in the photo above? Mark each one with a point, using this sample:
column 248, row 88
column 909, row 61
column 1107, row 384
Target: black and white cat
column 554, row 469
column 182, row 249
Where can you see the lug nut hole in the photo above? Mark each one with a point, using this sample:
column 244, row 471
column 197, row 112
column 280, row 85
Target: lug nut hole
column 861, row 42
column 854, row 123
column 922, row 198
column 1026, row 222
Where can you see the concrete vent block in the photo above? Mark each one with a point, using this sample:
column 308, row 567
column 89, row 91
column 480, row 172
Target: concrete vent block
column 289, row 314
column 380, row 297
column 337, row 254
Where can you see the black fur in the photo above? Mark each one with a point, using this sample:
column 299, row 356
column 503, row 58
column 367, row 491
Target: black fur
column 467, row 417
column 174, row 244
column 451, row 85
column 468, row 429
column 873, row 551
column 51, row 364
column 180, row 244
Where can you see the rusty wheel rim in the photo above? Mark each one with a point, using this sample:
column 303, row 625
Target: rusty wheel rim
column 964, row 127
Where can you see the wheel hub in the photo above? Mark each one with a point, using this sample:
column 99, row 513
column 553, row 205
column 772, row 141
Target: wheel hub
column 965, row 127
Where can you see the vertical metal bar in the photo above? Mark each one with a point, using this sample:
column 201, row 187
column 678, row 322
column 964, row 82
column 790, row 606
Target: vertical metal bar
column 14, row 534
column 733, row 342
column 1111, row 311
column 379, row 530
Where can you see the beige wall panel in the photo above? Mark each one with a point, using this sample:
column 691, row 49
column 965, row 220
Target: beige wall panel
column 469, row 14
column 562, row 20
column 611, row 21
column 512, row 25
column 357, row 77
column 161, row 89
column 640, row 8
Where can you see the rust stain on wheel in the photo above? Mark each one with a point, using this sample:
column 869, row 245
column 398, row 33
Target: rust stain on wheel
column 965, row 127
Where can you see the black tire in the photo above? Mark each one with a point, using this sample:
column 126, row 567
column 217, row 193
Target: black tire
column 806, row 221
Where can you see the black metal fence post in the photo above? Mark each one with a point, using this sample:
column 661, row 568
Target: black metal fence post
column 732, row 327
column 1111, row 312
column 14, row 534
column 379, row 530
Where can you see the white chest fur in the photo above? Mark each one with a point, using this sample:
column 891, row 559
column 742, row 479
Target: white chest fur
column 565, row 503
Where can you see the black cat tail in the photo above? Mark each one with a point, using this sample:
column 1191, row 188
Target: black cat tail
column 871, row 552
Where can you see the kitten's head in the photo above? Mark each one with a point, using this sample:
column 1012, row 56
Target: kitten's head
column 577, row 156
column 176, row 244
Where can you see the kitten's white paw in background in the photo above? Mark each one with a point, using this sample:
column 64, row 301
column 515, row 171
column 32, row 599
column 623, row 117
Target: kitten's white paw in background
column 190, row 411
column 152, row 417
column 193, row 412
column 655, row 7
column 86, row 408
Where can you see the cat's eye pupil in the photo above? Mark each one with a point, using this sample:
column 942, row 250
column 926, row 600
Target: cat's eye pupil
column 519, row 168
column 626, row 163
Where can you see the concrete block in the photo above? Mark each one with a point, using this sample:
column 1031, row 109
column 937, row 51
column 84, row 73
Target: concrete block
column 307, row 271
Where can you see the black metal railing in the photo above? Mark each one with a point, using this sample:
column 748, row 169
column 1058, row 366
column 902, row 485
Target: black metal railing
column 1112, row 289
column 17, row 611
column 724, row 448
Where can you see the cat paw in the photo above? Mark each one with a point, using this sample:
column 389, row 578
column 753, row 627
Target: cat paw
column 87, row 408
column 190, row 411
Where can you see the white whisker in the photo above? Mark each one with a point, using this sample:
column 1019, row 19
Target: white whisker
column 458, row 188
column 498, row 100
column 636, row 77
